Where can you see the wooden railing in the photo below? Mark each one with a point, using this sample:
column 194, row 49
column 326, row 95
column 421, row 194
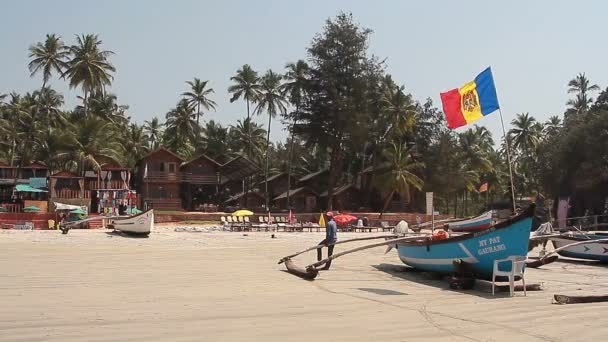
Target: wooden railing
column 164, row 203
column 162, row 176
column 590, row 222
column 69, row 194
column 199, row 179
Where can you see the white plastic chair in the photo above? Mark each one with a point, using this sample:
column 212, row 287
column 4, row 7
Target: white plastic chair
column 518, row 264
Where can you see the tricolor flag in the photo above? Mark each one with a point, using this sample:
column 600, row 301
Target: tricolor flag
column 470, row 102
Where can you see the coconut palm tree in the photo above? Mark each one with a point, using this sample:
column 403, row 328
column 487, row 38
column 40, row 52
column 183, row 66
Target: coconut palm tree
column 581, row 88
column 246, row 85
column 89, row 67
column 399, row 108
column 214, row 138
column 397, row 175
column 134, row 144
column 91, row 144
column 48, row 104
column 552, row 126
column 272, row 101
column 244, row 132
column 296, row 78
column 154, row 133
column 199, row 96
column 181, row 128
column 48, row 57
column 525, row 134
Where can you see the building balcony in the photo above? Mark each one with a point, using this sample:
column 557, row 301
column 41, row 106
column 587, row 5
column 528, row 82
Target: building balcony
column 157, row 176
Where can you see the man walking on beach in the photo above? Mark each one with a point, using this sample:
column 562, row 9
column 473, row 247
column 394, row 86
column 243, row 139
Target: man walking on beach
column 331, row 236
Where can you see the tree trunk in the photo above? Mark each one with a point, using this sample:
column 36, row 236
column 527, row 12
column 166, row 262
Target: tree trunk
column 267, row 159
column 387, row 201
column 198, row 113
column 289, row 156
column 85, row 103
column 335, row 167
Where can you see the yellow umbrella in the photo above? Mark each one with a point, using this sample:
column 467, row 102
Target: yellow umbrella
column 242, row 212
column 322, row 220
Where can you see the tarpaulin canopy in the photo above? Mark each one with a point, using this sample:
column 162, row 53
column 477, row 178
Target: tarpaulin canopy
column 27, row 188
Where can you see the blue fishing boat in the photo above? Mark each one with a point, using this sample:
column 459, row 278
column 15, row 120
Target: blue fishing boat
column 478, row 249
column 481, row 222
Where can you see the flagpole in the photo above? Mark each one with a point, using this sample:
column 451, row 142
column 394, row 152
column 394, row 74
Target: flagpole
column 504, row 134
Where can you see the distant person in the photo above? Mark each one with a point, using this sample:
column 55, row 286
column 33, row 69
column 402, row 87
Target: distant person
column 331, row 236
column 365, row 221
column 359, row 223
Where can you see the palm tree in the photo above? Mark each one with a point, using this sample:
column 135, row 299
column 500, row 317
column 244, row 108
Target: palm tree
column 271, row 101
column 198, row 96
column 154, row 133
column 400, row 108
column 181, row 126
column 214, row 138
column 296, row 79
column 525, row 133
column 581, row 88
column 91, row 144
column 105, row 106
column 246, row 86
column 552, row 125
column 48, row 103
column 245, row 132
column 48, row 57
column 89, row 67
column 397, row 175
column 134, row 143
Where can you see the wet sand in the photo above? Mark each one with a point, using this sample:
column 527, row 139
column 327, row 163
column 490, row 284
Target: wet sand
column 90, row 285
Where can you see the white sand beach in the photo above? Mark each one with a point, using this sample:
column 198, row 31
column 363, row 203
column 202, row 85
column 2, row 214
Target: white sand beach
column 181, row 286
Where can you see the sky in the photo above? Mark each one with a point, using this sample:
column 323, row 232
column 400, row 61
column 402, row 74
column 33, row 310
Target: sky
column 533, row 47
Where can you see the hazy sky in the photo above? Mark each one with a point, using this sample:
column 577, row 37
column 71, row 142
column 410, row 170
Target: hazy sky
column 534, row 47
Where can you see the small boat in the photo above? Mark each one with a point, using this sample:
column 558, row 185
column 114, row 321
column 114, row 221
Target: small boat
column 481, row 222
column 140, row 224
column 477, row 249
column 589, row 251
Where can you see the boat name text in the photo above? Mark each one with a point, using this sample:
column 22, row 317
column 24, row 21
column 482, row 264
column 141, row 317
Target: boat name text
column 490, row 245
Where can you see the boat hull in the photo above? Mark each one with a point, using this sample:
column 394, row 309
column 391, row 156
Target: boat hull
column 481, row 222
column 478, row 249
column 141, row 224
column 591, row 251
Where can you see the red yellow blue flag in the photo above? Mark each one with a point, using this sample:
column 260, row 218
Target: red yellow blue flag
column 470, row 102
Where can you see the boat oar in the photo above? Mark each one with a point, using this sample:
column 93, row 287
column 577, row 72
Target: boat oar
column 373, row 245
column 336, row 243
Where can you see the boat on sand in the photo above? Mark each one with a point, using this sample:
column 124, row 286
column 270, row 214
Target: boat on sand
column 477, row 249
column 480, row 222
column 140, row 224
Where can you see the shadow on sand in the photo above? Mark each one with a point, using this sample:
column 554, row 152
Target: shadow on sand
column 128, row 235
column 482, row 288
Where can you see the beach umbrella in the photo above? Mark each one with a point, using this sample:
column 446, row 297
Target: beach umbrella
column 78, row 212
column 31, row 208
column 134, row 211
column 322, row 220
column 242, row 212
column 344, row 218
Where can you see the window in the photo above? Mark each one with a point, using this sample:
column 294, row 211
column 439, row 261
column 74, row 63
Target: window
column 171, row 167
column 162, row 167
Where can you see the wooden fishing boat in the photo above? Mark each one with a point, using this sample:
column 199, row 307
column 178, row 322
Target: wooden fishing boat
column 140, row 224
column 481, row 222
column 589, row 251
column 477, row 249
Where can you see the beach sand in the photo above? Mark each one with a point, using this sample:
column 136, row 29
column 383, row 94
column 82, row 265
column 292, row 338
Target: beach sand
column 90, row 285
